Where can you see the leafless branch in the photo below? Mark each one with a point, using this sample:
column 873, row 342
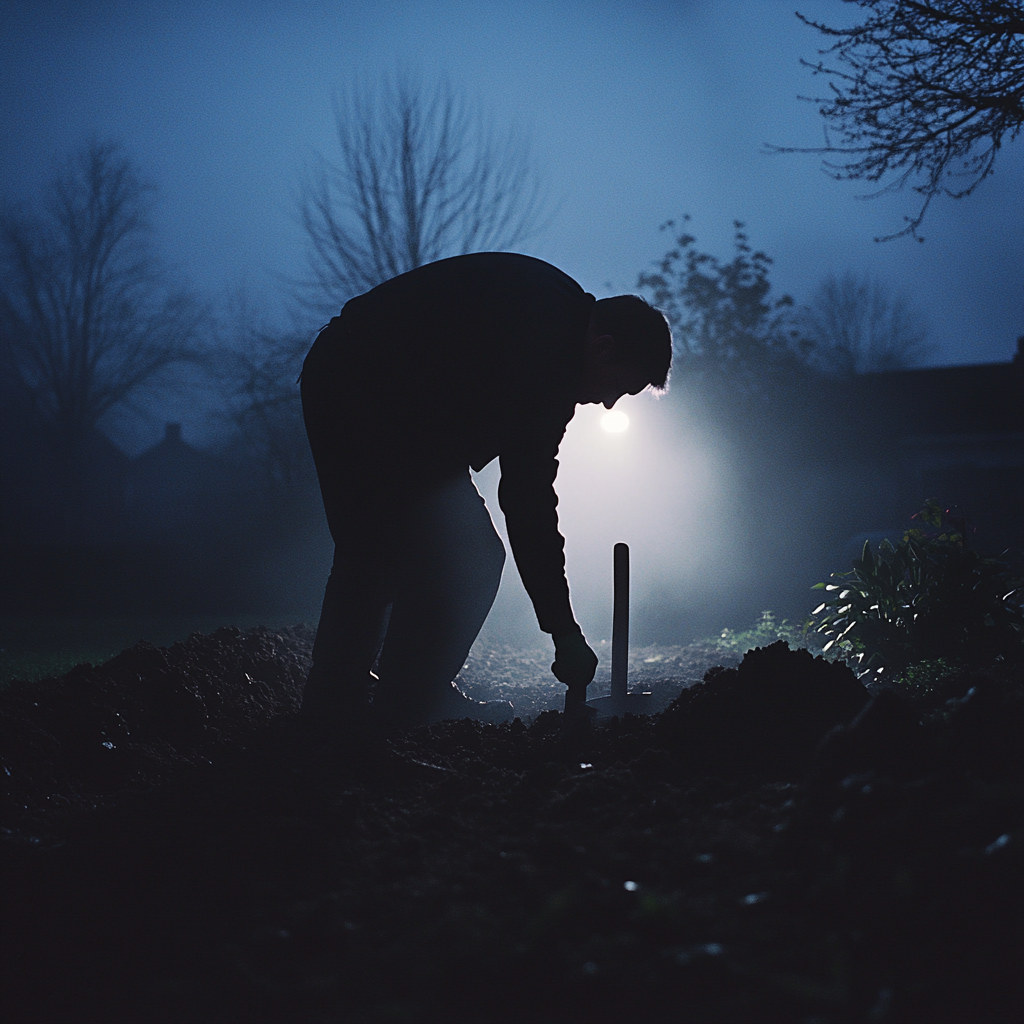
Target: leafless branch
column 260, row 367
column 858, row 324
column 921, row 95
column 418, row 176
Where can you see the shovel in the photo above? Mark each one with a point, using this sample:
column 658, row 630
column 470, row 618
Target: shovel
column 620, row 701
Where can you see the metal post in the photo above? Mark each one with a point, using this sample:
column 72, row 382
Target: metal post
column 620, row 623
column 620, row 701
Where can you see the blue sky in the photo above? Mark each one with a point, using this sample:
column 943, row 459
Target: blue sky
column 638, row 112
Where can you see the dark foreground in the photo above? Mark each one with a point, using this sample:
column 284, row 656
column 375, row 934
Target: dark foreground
column 173, row 853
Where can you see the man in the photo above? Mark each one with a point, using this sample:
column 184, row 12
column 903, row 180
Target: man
column 437, row 371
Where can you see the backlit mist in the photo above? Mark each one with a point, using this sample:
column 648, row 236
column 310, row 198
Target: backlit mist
column 633, row 114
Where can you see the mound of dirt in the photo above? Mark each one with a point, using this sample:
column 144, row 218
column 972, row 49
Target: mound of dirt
column 138, row 719
column 767, row 715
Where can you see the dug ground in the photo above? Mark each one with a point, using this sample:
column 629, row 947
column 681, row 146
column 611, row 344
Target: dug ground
column 778, row 844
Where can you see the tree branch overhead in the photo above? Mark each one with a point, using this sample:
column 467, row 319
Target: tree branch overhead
column 921, row 95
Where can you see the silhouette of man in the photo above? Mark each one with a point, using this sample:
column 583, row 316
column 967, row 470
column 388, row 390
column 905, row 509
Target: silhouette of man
column 437, row 371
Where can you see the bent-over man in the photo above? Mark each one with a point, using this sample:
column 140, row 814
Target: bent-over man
column 423, row 378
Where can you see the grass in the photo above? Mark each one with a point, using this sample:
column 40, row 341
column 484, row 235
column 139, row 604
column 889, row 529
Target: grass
column 767, row 630
column 40, row 647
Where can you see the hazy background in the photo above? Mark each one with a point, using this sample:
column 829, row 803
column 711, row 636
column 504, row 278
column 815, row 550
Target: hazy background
column 637, row 112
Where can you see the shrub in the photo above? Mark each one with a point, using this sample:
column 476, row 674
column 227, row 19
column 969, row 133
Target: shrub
column 931, row 596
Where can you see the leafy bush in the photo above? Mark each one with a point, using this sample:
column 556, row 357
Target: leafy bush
column 929, row 597
column 728, row 329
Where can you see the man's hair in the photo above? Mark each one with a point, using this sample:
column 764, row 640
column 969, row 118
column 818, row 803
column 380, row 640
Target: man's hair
column 642, row 335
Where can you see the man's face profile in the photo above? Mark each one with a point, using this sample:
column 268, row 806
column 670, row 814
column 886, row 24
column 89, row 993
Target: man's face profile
column 604, row 381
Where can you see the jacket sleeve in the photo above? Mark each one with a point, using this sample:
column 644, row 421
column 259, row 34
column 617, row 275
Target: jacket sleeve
column 527, row 497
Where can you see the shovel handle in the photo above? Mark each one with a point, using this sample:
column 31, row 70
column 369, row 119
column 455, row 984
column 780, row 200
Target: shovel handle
column 620, row 621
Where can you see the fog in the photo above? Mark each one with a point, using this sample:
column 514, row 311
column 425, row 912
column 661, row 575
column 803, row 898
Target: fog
column 633, row 113
column 660, row 487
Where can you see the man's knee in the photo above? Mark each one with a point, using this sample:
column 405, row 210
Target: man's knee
column 495, row 553
column 480, row 536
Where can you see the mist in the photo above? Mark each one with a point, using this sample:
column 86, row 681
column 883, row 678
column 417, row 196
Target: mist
column 665, row 493
column 728, row 511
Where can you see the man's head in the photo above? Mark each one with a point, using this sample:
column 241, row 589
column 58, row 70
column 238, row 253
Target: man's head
column 628, row 348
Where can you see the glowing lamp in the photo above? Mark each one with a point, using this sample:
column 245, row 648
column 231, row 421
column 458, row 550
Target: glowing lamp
column 615, row 422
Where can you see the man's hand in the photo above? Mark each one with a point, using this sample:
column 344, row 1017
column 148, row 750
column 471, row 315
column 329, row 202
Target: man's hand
column 575, row 663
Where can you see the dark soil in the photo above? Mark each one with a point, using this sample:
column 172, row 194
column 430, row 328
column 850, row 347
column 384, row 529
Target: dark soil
column 778, row 845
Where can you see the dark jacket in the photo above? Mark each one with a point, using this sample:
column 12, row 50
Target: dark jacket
column 452, row 365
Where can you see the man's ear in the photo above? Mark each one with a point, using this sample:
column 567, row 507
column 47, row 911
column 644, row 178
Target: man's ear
column 603, row 346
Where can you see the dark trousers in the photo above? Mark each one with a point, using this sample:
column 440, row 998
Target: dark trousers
column 413, row 579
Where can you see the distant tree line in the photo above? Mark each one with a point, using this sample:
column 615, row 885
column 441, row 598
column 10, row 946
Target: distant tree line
column 89, row 317
column 93, row 325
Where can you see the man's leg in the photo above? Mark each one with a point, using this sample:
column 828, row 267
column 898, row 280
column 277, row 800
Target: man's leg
column 449, row 568
column 353, row 620
column 362, row 523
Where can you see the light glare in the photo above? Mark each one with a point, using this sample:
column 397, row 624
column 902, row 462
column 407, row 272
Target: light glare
column 615, row 422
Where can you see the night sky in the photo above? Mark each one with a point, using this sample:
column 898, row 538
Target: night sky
column 638, row 112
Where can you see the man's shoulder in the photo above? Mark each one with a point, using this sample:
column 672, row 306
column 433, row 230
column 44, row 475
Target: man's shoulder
column 490, row 270
column 505, row 261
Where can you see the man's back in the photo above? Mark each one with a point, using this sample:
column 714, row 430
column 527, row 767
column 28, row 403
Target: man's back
column 445, row 364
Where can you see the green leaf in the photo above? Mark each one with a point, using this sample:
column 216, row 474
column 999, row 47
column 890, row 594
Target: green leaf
column 865, row 556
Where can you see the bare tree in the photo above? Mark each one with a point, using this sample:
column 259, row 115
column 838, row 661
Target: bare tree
column 922, row 91
column 260, row 365
column 87, row 318
column 858, row 324
column 418, row 176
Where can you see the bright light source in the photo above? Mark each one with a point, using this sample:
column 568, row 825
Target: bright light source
column 615, row 422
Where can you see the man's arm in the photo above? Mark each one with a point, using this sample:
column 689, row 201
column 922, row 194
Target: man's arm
column 527, row 496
